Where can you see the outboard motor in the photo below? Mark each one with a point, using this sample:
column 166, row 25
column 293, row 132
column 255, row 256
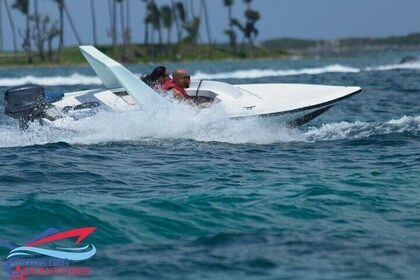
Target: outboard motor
column 25, row 103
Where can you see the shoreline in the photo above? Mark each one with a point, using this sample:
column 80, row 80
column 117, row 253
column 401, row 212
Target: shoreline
column 71, row 56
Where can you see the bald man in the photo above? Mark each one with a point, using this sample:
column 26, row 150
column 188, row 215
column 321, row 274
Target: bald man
column 180, row 81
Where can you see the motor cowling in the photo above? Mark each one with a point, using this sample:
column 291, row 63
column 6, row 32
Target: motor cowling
column 25, row 102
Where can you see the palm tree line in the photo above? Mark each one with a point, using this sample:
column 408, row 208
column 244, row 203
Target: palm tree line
column 182, row 18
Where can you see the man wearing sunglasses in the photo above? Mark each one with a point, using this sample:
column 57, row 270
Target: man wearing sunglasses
column 180, row 81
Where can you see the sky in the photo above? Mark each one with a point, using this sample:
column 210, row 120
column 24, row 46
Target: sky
column 307, row 19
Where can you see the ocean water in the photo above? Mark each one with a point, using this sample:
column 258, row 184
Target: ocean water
column 176, row 195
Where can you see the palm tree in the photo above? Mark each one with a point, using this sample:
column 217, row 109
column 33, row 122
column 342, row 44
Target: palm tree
column 180, row 18
column 239, row 26
column 193, row 29
column 23, row 7
column 192, row 26
column 51, row 34
column 114, row 24
column 206, row 18
column 167, row 20
column 251, row 31
column 73, row 27
column 12, row 26
column 122, row 20
column 42, row 32
column 252, row 16
column 125, row 31
column 155, row 17
column 1, row 27
column 60, row 5
column 92, row 9
column 248, row 30
column 228, row 4
column 147, row 22
column 111, row 32
column 232, row 38
column 176, row 19
column 230, row 32
column 62, row 9
column 39, row 42
column 112, row 5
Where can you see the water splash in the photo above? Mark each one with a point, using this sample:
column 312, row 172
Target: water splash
column 166, row 120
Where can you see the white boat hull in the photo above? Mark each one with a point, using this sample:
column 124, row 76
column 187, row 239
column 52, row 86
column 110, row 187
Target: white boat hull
column 291, row 110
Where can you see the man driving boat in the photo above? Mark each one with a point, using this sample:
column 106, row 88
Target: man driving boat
column 181, row 80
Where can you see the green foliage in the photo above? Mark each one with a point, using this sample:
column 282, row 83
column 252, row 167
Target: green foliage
column 180, row 11
column 252, row 15
column 193, row 28
column 22, row 6
column 228, row 3
column 167, row 18
column 237, row 24
column 154, row 15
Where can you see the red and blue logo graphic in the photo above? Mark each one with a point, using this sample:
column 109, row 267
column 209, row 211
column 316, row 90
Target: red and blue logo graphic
column 39, row 256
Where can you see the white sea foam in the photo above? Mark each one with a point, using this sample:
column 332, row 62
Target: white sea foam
column 79, row 79
column 361, row 130
column 334, row 68
column 415, row 65
column 74, row 79
column 260, row 73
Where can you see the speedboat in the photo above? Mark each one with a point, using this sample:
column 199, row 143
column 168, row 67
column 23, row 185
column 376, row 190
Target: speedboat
column 287, row 104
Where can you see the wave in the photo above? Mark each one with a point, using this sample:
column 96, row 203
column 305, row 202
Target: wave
column 79, row 79
column 415, row 65
column 260, row 73
column 362, row 130
column 74, row 79
column 334, row 68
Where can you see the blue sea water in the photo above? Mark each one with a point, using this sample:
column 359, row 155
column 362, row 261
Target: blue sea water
column 178, row 197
